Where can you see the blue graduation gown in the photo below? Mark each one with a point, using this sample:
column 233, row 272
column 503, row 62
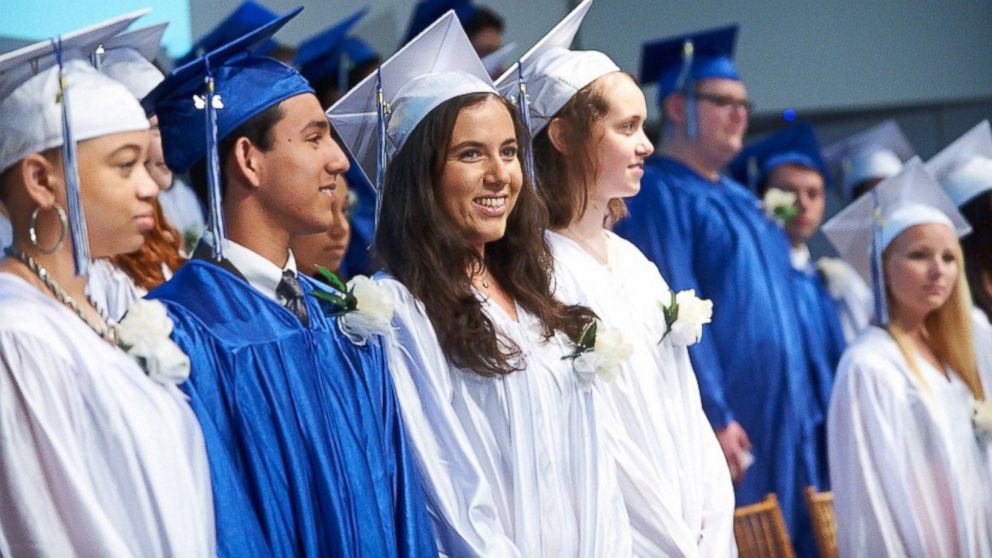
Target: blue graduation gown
column 751, row 363
column 305, row 439
column 820, row 322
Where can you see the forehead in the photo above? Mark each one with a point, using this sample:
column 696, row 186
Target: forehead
column 722, row 86
column 489, row 120
column 795, row 176
column 300, row 110
column 930, row 233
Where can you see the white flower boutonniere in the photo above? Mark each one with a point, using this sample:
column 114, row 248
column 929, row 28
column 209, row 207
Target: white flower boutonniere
column 981, row 418
column 780, row 206
column 835, row 273
column 685, row 316
column 599, row 352
column 363, row 308
column 144, row 334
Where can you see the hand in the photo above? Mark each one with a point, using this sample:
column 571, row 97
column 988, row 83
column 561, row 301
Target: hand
column 736, row 448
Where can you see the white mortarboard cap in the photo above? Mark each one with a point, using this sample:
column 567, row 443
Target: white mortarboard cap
column 912, row 197
column 127, row 59
column 552, row 73
column 964, row 168
column 437, row 65
column 877, row 152
column 31, row 116
column 498, row 58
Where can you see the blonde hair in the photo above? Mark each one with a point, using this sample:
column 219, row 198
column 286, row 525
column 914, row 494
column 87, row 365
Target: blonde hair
column 948, row 331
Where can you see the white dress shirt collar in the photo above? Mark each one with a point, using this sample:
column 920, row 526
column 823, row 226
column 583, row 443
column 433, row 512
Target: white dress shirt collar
column 260, row 272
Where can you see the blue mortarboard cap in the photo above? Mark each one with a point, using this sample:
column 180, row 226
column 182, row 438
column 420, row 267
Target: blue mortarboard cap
column 202, row 102
column 796, row 145
column 428, row 11
column 248, row 17
column 326, row 53
column 711, row 53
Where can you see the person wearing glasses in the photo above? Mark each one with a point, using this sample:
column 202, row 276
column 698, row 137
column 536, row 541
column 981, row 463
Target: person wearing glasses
column 707, row 232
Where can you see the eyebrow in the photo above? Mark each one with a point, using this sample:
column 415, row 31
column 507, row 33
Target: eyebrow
column 129, row 147
column 316, row 125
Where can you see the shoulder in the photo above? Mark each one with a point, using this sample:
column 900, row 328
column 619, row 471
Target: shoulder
column 873, row 357
column 629, row 259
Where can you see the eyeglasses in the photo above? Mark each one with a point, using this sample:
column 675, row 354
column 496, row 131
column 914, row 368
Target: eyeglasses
column 725, row 101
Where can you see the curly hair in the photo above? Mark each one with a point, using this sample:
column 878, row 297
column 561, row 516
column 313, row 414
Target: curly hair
column 425, row 250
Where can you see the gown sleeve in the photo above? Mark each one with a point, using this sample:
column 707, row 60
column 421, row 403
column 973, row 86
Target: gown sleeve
column 49, row 505
column 890, row 486
column 460, row 500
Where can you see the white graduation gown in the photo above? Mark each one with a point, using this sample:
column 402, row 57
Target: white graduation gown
column 511, row 466
column 673, row 474
column 111, row 289
column 96, row 459
column 910, row 476
column 855, row 303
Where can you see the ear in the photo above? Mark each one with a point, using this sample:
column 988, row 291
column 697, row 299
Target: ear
column 674, row 107
column 556, row 133
column 246, row 163
column 43, row 181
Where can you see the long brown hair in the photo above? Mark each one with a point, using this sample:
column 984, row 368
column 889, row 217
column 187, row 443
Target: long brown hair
column 562, row 179
column 977, row 248
column 424, row 249
column 161, row 247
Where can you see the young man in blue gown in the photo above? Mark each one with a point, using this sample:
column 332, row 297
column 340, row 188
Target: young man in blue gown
column 306, row 444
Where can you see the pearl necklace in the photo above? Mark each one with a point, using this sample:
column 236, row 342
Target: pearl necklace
column 106, row 330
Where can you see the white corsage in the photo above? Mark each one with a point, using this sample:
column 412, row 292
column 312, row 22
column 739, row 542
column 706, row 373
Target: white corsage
column 981, row 418
column 685, row 316
column 835, row 273
column 144, row 334
column 779, row 205
column 363, row 308
column 599, row 352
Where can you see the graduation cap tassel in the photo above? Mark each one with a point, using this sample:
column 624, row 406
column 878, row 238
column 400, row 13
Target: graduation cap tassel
column 77, row 220
column 217, row 229
column 683, row 85
column 877, row 274
column 380, row 144
column 523, row 105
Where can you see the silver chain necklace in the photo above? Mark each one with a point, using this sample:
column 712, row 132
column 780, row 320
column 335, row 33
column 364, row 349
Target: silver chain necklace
column 105, row 330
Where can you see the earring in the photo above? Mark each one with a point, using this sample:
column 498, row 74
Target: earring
column 33, row 232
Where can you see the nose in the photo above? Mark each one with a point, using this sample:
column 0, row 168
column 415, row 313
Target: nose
column 498, row 173
column 336, row 161
column 145, row 186
column 644, row 146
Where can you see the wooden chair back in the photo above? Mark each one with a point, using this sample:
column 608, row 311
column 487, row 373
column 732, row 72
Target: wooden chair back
column 760, row 531
column 821, row 512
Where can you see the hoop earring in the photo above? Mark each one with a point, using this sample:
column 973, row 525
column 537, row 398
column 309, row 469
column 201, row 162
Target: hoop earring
column 33, row 233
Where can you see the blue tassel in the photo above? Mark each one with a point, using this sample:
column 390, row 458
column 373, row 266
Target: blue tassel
column 216, row 210
column 877, row 273
column 380, row 144
column 523, row 105
column 342, row 76
column 685, row 85
column 77, row 219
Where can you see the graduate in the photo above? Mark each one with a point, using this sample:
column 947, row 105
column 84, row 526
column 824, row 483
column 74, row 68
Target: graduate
column 116, row 284
column 858, row 163
column 910, row 431
column 100, row 455
column 334, row 61
column 789, row 162
column 673, row 476
column 488, row 365
column 327, row 249
column 307, row 448
column 706, row 232
column 964, row 169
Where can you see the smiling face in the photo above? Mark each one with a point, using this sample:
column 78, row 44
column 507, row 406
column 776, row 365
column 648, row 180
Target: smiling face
column 921, row 269
column 807, row 185
column 623, row 146
column 299, row 175
column 480, row 175
column 326, row 248
column 117, row 192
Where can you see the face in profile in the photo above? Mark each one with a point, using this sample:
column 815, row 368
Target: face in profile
column 807, row 184
column 117, row 192
column 327, row 248
column 155, row 164
column 921, row 268
column 299, row 175
column 622, row 146
column 481, row 177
